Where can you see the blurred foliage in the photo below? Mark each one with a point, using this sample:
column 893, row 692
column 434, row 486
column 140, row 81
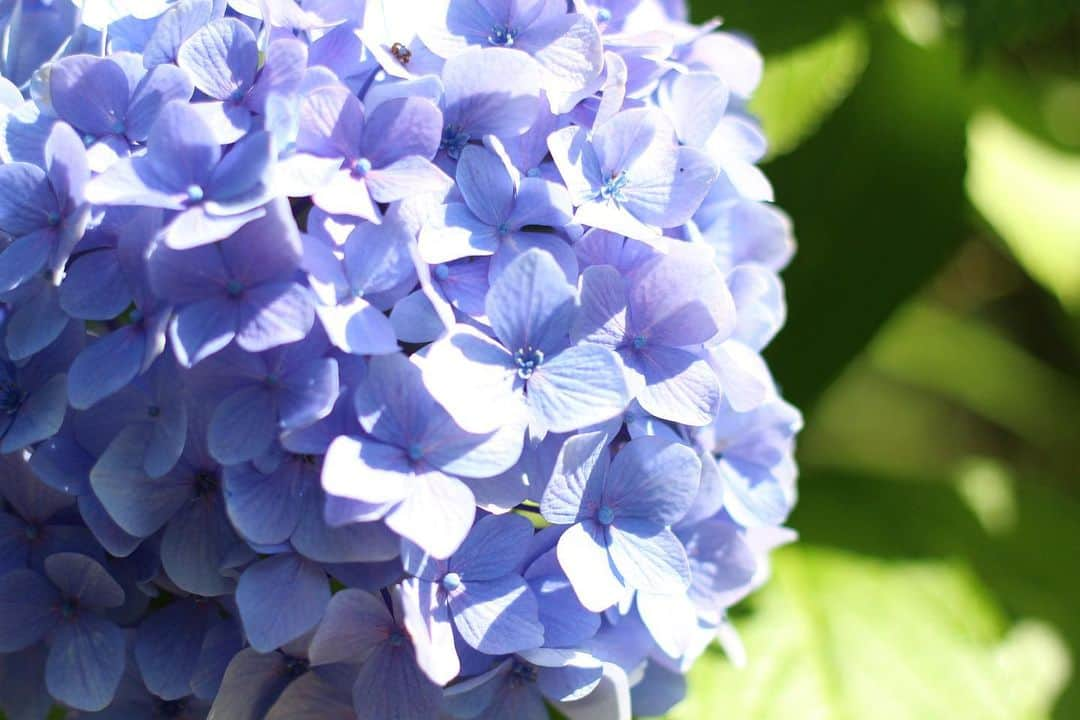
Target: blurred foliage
column 929, row 153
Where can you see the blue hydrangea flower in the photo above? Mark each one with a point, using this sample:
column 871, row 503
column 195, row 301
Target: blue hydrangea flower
column 184, row 170
column 498, row 207
column 306, row 307
column 566, row 46
column 87, row 654
column 403, row 468
column 43, row 210
column 478, row 592
column 113, row 102
column 221, row 294
column 654, row 322
column 620, row 515
column 630, row 175
column 384, row 157
column 222, row 59
column 529, row 373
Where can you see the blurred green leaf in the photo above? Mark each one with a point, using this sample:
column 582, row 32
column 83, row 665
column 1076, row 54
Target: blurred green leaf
column 878, row 201
column 1026, row 563
column 993, row 24
column 840, row 637
column 801, row 87
column 972, row 364
column 1028, row 190
column 779, row 25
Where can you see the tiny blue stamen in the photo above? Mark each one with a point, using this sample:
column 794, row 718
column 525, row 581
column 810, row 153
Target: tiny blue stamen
column 153, row 411
column 605, row 515
column 640, row 341
column 454, row 141
column 442, row 271
column 237, row 95
column 136, row 316
column 527, row 360
column 53, row 218
column 451, row 582
column 533, row 173
column 361, row 167
column 415, row 452
column 195, row 193
column 603, row 15
column 234, row 288
column 118, row 127
column 502, row 35
column 396, row 639
column 503, row 228
column 273, row 380
column 613, row 188
column 31, row 532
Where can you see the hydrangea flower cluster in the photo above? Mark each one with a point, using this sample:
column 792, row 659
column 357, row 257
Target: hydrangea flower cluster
column 380, row 359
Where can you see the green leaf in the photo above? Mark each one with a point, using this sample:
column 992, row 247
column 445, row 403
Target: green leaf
column 779, row 25
column 995, row 24
column 970, row 363
column 1027, row 190
column 1019, row 539
column 840, row 637
column 878, row 203
column 801, row 87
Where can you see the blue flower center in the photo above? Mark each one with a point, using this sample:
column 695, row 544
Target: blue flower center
column 32, row 532
column 136, row 316
column 234, row 288
column 361, row 167
column 88, row 139
column 524, row 671
column 605, row 515
column 10, row 398
column 527, row 360
column 396, row 639
column 603, row 15
column 205, row 483
column 415, row 452
column 504, row 228
column 451, row 582
column 153, row 411
column 53, row 218
column 171, row 708
column 640, row 342
column 195, row 193
column 533, row 173
column 613, row 188
column 442, row 271
column 454, row 140
column 118, row 127
column 502, row 35
column 295, row 667
column 272, row 380
column 237, row 95
column 69, row 608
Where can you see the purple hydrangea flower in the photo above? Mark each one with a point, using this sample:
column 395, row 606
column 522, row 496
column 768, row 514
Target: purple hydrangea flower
column 620, row 513
column 630, row 175
column 184, row 170
column 380, row 360
column 529, row 373
column 113, row 102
